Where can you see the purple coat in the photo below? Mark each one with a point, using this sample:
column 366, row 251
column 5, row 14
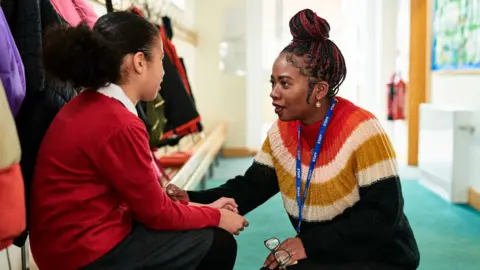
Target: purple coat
column 12, row 73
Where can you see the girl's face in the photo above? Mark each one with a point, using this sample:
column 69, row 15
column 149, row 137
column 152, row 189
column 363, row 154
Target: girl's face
column 148, row 73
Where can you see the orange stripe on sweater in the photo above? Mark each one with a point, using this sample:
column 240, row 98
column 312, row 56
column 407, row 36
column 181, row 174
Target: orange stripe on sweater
column 346, row 118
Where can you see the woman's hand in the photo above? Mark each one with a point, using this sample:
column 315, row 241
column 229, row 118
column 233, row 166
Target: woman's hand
column 177, row 194
column 225, row 203
column 294, row 247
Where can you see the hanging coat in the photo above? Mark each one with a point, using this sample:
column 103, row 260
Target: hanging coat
column 182, row 116
column 199, row 124
column 180, row 112
column 75, row 11
column 168, row 33
column 167, row 26
column 152, row 115
column 28, row 20
column 12, row 196
column 12, row 73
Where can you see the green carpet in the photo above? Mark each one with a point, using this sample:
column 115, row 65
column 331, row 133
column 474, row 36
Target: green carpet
column 448, row 235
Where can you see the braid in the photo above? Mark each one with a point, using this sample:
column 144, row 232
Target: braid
column 314, row 53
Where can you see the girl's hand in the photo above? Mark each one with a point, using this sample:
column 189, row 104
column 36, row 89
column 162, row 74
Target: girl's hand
column 225, row 203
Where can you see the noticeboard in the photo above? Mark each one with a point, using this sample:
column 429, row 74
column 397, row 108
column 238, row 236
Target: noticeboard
column 456, row 35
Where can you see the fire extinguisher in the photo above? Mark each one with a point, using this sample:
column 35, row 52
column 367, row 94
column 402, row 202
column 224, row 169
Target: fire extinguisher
column 396, row 98
column 400, row 87
column 390, row 97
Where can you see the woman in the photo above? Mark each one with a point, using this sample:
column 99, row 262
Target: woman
column 352, row 217
column 96, row 201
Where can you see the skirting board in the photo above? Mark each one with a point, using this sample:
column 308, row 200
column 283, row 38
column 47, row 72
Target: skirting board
column 237, row 152
column 474, row 198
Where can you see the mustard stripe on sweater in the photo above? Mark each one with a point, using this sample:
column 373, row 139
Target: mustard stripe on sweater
column 361, row 158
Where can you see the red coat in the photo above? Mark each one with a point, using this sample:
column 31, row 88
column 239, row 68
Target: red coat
column 12, row 196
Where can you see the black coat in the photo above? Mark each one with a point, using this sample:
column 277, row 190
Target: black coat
column 199, row 125
column 28, row 20
column 179, row 107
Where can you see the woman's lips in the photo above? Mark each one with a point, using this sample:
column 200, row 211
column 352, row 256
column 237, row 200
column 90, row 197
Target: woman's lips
column 278, row 109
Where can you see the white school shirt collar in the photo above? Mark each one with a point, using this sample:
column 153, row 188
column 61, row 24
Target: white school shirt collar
column 114, row 91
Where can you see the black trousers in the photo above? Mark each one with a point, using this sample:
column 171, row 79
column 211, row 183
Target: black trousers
column 211, row 248
column 314, row 265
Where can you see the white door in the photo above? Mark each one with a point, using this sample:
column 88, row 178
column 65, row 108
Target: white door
column 474, row 129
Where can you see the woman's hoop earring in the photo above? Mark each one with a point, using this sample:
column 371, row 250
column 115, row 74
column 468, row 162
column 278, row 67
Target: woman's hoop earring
column 318, row 104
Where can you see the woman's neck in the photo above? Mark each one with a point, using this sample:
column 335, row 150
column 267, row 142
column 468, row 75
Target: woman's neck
column 319, row 113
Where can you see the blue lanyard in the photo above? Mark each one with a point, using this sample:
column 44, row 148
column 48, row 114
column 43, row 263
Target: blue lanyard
column 316, row 151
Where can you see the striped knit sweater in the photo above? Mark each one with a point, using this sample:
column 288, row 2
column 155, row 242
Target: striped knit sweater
column 354, row 206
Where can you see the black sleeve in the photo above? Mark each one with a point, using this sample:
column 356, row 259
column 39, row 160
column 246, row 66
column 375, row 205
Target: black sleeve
column 361, row 229
column 249, row 191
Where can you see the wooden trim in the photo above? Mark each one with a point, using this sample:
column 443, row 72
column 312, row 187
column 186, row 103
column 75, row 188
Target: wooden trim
column 458, row 72
column 184, row 34
column 418, row 73
column 190, row 175
column 474, row 198
column 238, row 152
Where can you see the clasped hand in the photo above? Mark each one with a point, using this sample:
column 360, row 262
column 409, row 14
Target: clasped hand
column 230, row 220
column 178, row 194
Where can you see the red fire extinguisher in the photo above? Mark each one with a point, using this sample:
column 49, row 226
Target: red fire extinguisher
column 396, row 98
column 401, row 88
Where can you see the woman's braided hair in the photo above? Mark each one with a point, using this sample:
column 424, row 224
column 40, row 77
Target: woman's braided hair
column 314, row 53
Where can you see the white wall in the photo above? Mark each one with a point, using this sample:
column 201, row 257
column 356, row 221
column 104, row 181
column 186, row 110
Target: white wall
column 254, row 91
column 455, row 90
column 273, row 26
column 219, row 96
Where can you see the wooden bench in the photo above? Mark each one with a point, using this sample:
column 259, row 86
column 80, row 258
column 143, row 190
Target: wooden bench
column 206, row 148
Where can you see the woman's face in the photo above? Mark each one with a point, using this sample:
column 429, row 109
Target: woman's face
column 290, row 90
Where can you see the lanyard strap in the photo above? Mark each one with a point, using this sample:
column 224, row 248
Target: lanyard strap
column 316, row 151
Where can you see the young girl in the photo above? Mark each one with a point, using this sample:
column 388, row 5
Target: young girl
column 96, row 201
